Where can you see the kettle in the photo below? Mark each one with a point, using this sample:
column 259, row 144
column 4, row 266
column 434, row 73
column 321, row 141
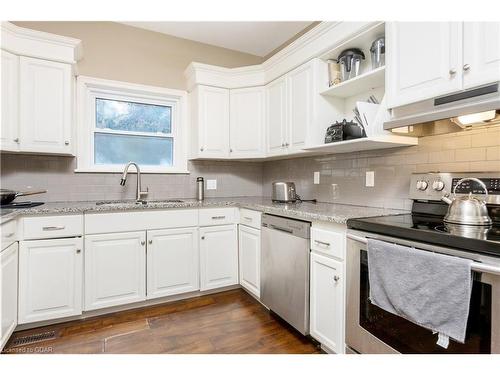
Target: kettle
column 467, row 210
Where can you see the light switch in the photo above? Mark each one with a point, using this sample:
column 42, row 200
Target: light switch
column 211, row 184
column 370, row 179
column 316, row 178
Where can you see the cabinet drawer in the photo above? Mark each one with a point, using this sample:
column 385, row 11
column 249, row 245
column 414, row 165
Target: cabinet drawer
column 250, row 218
column 217, row 216
column 328, row 242
column 52, row 226
column 9, row 233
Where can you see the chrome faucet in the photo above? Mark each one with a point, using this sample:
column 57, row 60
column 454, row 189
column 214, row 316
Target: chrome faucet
column 139, row 192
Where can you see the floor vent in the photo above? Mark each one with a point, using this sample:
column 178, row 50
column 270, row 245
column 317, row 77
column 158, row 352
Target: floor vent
column 31, row 339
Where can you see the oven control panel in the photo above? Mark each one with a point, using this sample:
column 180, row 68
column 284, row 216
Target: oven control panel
column 432, row 186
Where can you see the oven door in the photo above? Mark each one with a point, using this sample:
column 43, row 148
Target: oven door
column 372, row 330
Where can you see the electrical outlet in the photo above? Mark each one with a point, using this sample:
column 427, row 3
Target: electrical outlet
column 211, row 184
column 370, row 179
column 316, row 178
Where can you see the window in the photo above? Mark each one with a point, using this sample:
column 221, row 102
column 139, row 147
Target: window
column 121, row 122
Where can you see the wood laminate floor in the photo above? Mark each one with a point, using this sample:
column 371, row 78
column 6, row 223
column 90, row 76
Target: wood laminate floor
column 227, row 322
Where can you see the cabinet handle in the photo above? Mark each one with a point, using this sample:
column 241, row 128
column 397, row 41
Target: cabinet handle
column 78, row 251
column 336, row 278
column 322, row 243
column 218, row 217
column 247, row 218
column 66, row 143
column 453, row 72
column 16, row 140
column 202, row 237
column 143, row 243
column 150, row 242
column 466, row 67
column 9, row 235
column 54, row 228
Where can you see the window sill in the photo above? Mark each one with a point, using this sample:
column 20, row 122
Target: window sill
column 144, row 170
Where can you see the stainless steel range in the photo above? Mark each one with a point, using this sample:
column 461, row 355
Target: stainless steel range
column 370, row 329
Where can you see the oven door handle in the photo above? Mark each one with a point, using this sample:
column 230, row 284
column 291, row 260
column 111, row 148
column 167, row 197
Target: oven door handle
column 475, row 266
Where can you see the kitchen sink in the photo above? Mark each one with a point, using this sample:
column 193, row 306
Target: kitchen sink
column 143, row 202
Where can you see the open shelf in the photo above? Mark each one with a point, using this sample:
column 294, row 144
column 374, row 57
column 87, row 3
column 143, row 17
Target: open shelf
column 364, row 144
column 362, row 83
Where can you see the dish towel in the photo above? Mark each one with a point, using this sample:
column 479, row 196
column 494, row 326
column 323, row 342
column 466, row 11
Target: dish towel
column 429, row 289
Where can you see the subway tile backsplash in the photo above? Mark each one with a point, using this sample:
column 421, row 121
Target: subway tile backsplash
column 342, row 176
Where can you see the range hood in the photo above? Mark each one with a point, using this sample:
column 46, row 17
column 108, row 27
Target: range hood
column 465, row 102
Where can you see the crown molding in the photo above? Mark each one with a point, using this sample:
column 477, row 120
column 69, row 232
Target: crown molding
column 316, row 42
column 39, row 44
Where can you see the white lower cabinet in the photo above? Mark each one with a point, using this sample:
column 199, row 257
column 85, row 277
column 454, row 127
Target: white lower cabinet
column 115, row 269
column 249, row 259
column 8, row 298
column 172, row 262
column 50, row 279
column 327, row 302
column 218, row 256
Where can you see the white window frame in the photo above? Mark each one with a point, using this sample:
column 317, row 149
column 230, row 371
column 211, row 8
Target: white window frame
column 89, row 88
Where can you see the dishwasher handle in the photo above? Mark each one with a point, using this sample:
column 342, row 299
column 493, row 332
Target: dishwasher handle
column 281, row 229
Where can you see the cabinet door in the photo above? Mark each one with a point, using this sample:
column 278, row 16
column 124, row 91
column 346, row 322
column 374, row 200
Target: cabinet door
column 276, row 117
column 218, row 256
column 423, row 60
column 8, row 297
column 327, row 302
column 50, row 279
column 300, row 94
column 172, row 262
column 115, row 269
column 9, row 136
column 45, row 104
column 249, row 251
column 213, row 122
column 481, row 63
column 247, row 120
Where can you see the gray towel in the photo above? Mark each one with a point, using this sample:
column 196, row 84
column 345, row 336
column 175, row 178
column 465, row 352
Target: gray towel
column 431, row 290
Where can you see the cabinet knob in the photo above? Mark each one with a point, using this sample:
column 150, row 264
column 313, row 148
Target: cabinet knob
column 336, row 278
column 16, row 140
column 201, row 148
column 466, row 67
column 143, row 243
column 230, row 150
column 282, row 145
column 202, row 237
column 150, row 242
column 66, row 143
column 453, row 72
column 78, row 251
column 287, row 144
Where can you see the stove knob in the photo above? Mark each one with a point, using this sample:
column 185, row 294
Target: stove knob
column 438, row 185
column 422, row 185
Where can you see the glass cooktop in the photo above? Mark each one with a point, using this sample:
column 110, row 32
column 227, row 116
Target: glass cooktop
column 432, row 229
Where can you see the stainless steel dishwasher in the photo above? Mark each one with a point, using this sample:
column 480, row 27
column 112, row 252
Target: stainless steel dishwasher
column 284, row 279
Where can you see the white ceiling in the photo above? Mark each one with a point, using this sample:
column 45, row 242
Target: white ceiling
column 256, row 38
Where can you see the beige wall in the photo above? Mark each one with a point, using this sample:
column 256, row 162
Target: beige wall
column 125, row 53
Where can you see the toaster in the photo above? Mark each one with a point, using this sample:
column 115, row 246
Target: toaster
column 284, row 192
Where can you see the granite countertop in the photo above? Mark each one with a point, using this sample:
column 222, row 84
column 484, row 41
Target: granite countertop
column 330, row 212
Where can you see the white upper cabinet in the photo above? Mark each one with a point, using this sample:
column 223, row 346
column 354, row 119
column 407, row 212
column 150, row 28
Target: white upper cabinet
column 50, row 279
column 300, row 97
column 45, row 106
column 247, row 120
column 218, row 256
column 172, row 262
column 115, row 269
column 276, row 116
column 210, row 122
column 423, row 60
column 481, row 64
column 10, row 91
